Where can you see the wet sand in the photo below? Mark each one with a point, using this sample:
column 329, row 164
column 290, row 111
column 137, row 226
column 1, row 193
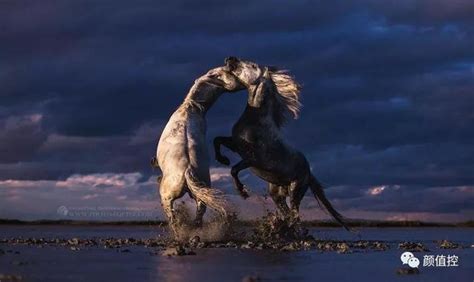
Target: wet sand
column 135, row 253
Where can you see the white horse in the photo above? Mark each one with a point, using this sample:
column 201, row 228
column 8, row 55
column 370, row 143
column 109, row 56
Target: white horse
column 182, row 153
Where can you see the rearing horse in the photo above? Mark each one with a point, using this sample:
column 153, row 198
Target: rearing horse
column 182, row 153
column 273, row 96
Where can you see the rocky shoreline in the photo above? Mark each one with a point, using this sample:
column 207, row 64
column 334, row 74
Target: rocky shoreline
column 170, row 247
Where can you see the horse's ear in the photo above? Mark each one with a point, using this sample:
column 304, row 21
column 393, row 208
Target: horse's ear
column 266, row 73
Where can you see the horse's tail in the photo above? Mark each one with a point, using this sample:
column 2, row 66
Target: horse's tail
column 213, row 198
column 318, row 192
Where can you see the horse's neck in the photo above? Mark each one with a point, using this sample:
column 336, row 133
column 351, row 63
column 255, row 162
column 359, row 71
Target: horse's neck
column 267, row 112
column 201, row 97
column 256, row 116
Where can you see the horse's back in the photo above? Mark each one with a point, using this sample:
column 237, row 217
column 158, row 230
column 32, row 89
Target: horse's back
column 198, row 153
column 182, row 144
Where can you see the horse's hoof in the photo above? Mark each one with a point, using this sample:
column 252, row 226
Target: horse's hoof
column 244, row 193
column 198, row 223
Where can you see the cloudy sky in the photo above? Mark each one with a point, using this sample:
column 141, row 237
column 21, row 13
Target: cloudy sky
column 387, row 123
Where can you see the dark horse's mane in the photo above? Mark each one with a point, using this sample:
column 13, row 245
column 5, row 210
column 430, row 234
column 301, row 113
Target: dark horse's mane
column 287, row 96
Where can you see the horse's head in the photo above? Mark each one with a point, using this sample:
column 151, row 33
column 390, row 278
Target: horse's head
column 221, row 78
column 248, row 72
column 268, row 84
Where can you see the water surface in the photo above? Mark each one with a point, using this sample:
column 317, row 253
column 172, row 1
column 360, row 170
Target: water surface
column 56, row 263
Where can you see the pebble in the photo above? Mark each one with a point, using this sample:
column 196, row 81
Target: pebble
column 413, row 247
column 194, row 241
column 19, row 263
column 251, row 278
column 343, row 248
column 249, row 242
column 407, row 271
column 10, row 277
column 445, row 244
column 177, row 251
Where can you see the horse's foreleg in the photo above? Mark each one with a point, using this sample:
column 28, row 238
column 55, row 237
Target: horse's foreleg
column 243, row 164
column 226, row 141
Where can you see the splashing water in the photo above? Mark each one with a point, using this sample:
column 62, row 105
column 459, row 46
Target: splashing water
column 217, row 228
column 274, row 228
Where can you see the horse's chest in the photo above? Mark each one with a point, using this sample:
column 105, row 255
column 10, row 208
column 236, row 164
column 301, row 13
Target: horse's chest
column 247, row 134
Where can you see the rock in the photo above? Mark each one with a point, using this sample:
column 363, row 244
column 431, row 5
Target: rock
column 445, row 244
column 413, row 247
column 231, row 245
column 343, row 248
column 307, row 245
column 361, row 245
column 326, row 246
column 74, row 248
column 380, row 246
column 19, row 263
column 170, row 252
column 177, row 251
column 6, row 277
column 251, row 278
column 290, row 247
column 201, row 245
column 248, row 245
column 73, row 241
column 194, row 242
column 407, row 271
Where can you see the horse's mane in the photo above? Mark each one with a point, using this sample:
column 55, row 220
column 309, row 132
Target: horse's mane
column 288, row 98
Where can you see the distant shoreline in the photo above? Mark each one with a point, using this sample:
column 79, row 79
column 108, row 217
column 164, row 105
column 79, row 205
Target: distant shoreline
column 352, row 223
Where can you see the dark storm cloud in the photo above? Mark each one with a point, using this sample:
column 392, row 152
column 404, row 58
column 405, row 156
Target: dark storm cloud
column 20, row 137
column 87, row 86
column 425, row 12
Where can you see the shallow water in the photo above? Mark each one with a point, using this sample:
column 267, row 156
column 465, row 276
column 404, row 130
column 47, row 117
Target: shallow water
column 55, row 263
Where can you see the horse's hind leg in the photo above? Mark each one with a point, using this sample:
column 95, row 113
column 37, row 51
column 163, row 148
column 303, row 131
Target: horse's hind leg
column 200, row 211
column 167, row 204
column 169, row 192
column 243, row 164
column 297, row 191
column 279, row 197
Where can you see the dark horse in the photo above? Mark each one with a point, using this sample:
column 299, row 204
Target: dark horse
column 273, row 96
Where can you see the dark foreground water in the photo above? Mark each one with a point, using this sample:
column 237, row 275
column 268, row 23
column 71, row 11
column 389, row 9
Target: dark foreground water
column 57, row 263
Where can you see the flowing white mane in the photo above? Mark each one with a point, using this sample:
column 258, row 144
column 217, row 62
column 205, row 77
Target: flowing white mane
column 288, row 95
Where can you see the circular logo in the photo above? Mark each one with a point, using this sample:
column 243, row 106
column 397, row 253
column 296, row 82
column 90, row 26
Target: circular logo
column 62, row 210
column 413, row 262
column 406, row 256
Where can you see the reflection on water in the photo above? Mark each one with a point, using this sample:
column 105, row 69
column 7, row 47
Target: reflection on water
column 97, row 264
